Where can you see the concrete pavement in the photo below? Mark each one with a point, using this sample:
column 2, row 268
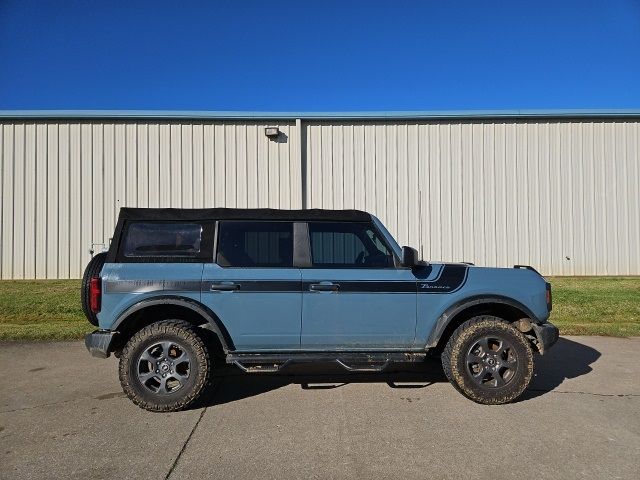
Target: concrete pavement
column 62, row 415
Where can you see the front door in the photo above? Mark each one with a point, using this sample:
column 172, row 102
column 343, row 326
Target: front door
column 253, row 287
column 354, row 297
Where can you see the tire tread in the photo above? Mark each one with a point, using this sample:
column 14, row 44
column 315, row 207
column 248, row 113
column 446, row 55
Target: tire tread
column 450, row 352
column 179, row 328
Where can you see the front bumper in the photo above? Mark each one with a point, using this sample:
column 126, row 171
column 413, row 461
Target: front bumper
column 99, row 342
column 547, row 335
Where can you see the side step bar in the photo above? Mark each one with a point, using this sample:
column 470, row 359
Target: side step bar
column 350, row 361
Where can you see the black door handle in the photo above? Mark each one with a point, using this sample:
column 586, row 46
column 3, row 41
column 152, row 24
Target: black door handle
column 225, row 287
column 324, row 287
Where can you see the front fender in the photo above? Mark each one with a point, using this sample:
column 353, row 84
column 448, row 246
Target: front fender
column 446, row 317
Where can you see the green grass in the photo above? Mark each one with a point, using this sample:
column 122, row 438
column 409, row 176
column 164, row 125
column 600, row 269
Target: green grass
column 41, row 310
column 596, row 305
column 38, row 310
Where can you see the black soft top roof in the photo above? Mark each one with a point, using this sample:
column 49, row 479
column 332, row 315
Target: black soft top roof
column 204, row 214
column 180, row 214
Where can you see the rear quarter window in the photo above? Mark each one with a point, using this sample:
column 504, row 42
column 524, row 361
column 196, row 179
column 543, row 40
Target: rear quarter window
column 158, row 240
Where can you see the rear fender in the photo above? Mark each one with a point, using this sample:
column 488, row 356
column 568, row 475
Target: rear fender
column 210, row 320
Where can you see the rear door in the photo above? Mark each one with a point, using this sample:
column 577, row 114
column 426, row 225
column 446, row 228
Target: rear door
column 354, row 297
column 253, row 286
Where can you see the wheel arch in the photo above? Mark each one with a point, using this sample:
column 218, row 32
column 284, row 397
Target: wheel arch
column 455, row 315
column 150, row 310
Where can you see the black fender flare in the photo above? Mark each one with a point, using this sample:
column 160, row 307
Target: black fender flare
column 444, row 319
column 212, row 321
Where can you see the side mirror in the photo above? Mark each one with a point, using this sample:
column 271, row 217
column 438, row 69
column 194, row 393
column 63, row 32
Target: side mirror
column 410, row 258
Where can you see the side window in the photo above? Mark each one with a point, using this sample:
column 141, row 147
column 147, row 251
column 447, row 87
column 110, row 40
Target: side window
column 347, row 245
column 162, row 240
column 255, row 244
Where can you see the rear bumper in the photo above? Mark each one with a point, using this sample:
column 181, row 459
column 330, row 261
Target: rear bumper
column 547, row 335
column 99, row 343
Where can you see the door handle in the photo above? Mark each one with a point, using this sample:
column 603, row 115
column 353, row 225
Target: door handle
column 324, row 287
column 225, row 287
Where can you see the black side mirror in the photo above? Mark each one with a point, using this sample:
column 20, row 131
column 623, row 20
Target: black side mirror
column 410, row 258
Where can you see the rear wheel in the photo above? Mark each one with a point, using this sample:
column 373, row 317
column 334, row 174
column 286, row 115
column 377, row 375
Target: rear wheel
column 488, row 360
column 165, row 366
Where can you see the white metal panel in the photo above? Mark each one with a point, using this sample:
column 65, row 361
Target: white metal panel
column 63, row 201
column 186, row 160
column 75, row 189
column 87, row 181
column 198, row 166
column 561, row 195
column 51, row 212
column 19, row 207
column 6, row 212
column 110, row 207
column 40, row 219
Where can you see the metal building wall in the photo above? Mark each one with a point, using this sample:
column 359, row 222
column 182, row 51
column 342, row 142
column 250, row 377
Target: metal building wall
column 63, row 182
column 559, row 195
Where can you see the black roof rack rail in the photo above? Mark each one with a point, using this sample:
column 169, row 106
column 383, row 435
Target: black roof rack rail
column 528, row 267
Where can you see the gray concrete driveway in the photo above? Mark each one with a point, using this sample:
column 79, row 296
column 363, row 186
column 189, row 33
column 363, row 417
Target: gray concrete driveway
column 62, row 415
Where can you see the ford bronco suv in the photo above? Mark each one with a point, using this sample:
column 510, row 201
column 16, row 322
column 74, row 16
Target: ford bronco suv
column 182, row 289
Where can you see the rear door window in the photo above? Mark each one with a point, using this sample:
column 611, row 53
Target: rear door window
column 255, row 244
column 172, row 240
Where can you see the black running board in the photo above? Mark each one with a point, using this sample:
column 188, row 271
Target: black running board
column 351, row 361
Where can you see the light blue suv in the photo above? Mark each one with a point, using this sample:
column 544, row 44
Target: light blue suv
column 182, row 289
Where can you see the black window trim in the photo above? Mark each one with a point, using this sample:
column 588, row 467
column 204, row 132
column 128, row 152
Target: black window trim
column 372, row 225
column 206, row 244
column 209, row 250
column 296, row 245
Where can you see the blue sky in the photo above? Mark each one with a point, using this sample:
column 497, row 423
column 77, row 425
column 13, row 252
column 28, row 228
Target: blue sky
column 319, row 56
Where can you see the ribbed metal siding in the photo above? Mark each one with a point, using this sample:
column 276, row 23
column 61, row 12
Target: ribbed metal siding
column 561, row 196
column 63, row 183
column 494, row 193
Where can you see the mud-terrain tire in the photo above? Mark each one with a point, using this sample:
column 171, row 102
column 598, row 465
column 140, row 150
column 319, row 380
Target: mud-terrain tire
column 488, row 360
column 165, row 367
column 92, row 270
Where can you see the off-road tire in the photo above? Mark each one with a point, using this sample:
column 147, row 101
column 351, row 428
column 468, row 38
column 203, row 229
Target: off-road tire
column 92, row 270
column 455, row 360
column 200, row 366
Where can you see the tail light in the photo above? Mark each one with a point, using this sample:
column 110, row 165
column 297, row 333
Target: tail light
column 548, row 296
column 95, row 294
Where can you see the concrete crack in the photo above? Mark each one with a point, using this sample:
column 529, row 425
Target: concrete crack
column 39, row 406
column 184, row 446
column 586, row 393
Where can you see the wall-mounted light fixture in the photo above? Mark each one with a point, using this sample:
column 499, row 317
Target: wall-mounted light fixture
column 272, row 132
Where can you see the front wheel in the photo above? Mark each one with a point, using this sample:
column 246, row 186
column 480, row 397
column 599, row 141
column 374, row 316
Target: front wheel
column 165, row 366
column 488, row 360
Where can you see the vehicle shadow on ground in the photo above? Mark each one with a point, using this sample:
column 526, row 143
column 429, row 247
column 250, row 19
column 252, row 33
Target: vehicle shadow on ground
column 231, row 384
column 567, row 359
